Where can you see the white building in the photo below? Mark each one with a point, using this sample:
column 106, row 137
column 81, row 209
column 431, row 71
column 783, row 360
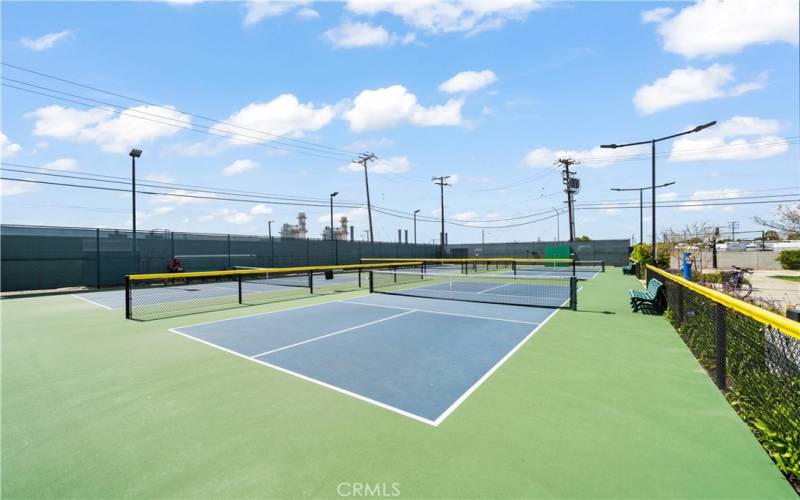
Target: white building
column 340, row 233
column 297, row 231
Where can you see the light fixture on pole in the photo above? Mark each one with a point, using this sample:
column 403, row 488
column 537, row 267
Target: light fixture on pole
column 641, row 201
column 415, row 226
column 135, row 153
column 652, row 143
column 335, row 243
column 269, row 228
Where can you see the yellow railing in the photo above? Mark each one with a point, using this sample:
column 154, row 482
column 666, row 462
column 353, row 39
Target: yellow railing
column 245, row 272
column 785, row 325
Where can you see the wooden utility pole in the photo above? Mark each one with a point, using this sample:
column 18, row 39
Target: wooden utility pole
column 363, row 158
column 571, row 186
column 441, row 181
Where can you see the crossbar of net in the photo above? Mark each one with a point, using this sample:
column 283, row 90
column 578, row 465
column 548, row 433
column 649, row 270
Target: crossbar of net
column 554, row 292
column 757, row 367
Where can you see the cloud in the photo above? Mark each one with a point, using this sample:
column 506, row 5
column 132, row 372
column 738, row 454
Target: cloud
column 465, row 216
column 236, row 216
column 64, row 164
column 45, row 42
column 487, row 110
column 436, row 16
column 354, row 35
column 160, row 177
column 262, row 9
column 239, row 167
column 182, row 197
column 115, row 133
column 666, row 196
column 724, row 141
column 393, row 106
column 285, row 115
column 12, row 188
column 307, row 13
column 394, row 165
column 736, row 24
column 468, row 81
column 355, row 216
column 656, row 15
column 696, row 206
column 201, row 148
column 595, row 157
column 687, row 85
column 8, row 148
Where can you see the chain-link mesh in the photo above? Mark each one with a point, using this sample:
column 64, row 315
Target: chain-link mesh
column 756, row 365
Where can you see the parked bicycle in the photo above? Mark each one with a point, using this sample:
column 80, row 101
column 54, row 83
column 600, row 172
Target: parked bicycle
column 736, row 282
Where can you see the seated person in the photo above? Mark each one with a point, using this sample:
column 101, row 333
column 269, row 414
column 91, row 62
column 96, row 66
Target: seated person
column 175, row 266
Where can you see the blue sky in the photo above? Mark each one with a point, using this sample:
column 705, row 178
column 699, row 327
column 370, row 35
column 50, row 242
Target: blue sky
column 489, row 93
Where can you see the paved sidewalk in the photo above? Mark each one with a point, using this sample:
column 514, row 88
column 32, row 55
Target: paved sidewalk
column 783, row 291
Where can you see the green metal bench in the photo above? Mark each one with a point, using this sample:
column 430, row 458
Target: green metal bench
column 648, row 300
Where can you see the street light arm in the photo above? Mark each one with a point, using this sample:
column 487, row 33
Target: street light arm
column 692, row 131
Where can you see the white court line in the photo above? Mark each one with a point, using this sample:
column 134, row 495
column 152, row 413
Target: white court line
column 489, row 373
column 334, row 333
column 494, row 288
column 442, row 312
column 312, row 380
column 92, row 302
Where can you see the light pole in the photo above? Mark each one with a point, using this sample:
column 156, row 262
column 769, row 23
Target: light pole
column 652, row 143
column 335, row 243
column 641, row 210
column 269, row 228
column 135, row 153
column 415, row 226
column 558, row 224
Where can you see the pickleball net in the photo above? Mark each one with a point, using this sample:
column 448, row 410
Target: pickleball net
column 534, row 291
column 155, row 296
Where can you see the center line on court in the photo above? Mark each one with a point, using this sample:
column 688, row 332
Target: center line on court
column 334, row 333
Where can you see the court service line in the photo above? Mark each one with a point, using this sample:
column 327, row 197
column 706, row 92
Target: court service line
column 333, row 333
column 91, row 302
column 442, row 312
column 489, row 373
column 494, row 288
column 309, row 379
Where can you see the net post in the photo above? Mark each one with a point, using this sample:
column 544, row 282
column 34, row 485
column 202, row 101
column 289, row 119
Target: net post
column 239, row 286
column 574, row 267
column 311, row 281
column 603, row 266
column 128, row 308
column 371, row 282
column 573, row 293
column 359, row 277
column 514, row 266
column 720, row 348
column 394, row 273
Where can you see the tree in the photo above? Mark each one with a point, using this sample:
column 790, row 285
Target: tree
column 771, row 236
column 787, row 219
column 583, row 238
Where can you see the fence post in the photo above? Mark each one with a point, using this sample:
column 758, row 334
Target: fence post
column 308, row 250
column 271, row 251
column 720, row 348
column 172, row 243
column 229, row 251
column 239, row 285
column 97, row 253
column 128, row 311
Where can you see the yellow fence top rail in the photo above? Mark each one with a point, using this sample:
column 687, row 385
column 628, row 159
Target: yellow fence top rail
column 465, row 260
column 245, row 272
column 786, row 325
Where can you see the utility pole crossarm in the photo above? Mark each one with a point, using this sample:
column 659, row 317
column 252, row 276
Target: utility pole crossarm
column 566, row 163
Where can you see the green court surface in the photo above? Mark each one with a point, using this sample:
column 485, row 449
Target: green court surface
column 599, row 403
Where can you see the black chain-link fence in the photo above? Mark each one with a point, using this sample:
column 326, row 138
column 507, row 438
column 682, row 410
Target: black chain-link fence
column 43, row 258
column 752, row 355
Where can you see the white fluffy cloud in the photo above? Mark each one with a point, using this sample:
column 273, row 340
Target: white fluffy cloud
column 239, row 167
column 237, row 217
column 439, row 16
column 393, row 165
column 44, row 42
column 12, row 188
column 284, row 115
column 182, row 197
column 725, row 141
column 465, row 216
column 354, row 35
column 392, row 106
column 718, row 194
column 114, row 133
column 713, row 27
column 160, row 177
column 656, row 15
column 468, row 81
column 259, row 10
column 595, row 157
column 8, row 148
column 65, row 164
column 690, row 84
